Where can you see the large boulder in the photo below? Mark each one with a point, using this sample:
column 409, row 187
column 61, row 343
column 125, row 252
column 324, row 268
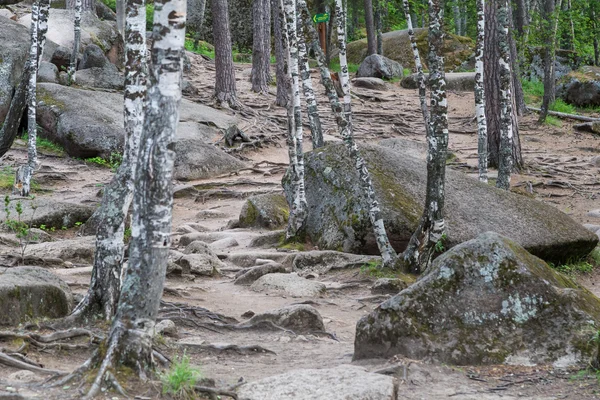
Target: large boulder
column 47, row 72
column 269, row 211
column 581, row 88
column 340, row 383
column 377, row 66
column 48, row 212
column 338, row 216
column 14, row 49
column 77, row 250
column 300, row 318
column 89, row 123
column 396, row 46
column 93, row 57
column 564, row 63
column 103, row 78
column 28, row 293
column 486, row 301
column 455, row 81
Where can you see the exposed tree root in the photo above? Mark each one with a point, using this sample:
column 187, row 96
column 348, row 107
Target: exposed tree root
column 49, row 341
column 15, row 363
column 215, row 392
column 222, row 348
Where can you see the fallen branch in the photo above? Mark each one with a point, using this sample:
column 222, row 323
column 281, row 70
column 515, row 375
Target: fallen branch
column 565, row 115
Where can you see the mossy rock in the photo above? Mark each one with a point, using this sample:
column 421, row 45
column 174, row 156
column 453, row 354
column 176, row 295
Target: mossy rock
column 486, row 301
column 581, row 88
column 269, row 211
column 457, row 50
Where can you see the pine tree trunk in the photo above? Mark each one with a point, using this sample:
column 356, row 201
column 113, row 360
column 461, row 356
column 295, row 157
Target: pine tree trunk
column 330, row 36
column 572, row 37
column 345, row 129
column 283, row 84
column 463, row 19
column 518, row 95
column 76, row 41
column 103, row 294
column 371, row 37
column 379, row 25
column 482, row 146
column 506, row 114
column 309, row 95
column 550, row 24
column 130, row 339
column 298, row 208
column 225, row 91
column 261, row 46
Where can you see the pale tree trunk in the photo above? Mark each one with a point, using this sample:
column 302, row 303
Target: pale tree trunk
column 86, row 5
column 283, row 84
column 345, row 129
column 103, row 294
column 418, row 66
column 298, row 208
column 10, row 128
column 550, row 24
column 225, row 91
column 130, row 338
column 506, row 114
column 76, row 42
column 121, row 10
column 431, row 229
column 309, row 94
column 261, row 46
column 571, row 26
column 22, row 184
column 482, row 146
column 371, row 37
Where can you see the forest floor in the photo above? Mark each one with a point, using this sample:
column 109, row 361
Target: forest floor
column 557, row 171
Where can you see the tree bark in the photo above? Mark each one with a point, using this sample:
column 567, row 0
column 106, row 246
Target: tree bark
column 86, row 5
column 225, row 91
column 506, row 114
column 130, row 338
column 314, row 119
column 482, row 146
column 76, row 41
column 371, row 37
column 519, row 104
column 283, row 84
column 103, row 294
column 261, row 46
column 121, row 7
column 379, row 25
column 550, row 24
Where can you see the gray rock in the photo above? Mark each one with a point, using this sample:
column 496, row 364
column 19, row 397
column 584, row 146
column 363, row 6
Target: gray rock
column 388, row 286
column 5, row 13
column 47, row 72
column 536, row 68
column 78, row 250
column 211, row 214
column 288, row 284
column 592, row 127
column 377, row 66
column 486, row 301
column 369, row 83
column 592, row 227
column 321, row 262
column 268, row 239
column 269, row 211
column 190, row 238
column 455, row 81
column 299, row 318
column 28, row 293
column 104, row 78
column 165, row 327
column 594, row 213
column 340, row 383
column 104, row 12
column 200, row 264
column 199, row 160
column 14, row 49
column 339, row 217
column 581, row 88
column 48, row 212
column 225, row 243
column 248, row 276
column 93, row 57
column 61, row 57
column 595, row 161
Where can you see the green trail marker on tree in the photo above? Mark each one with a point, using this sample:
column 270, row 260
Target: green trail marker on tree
column 318, row 18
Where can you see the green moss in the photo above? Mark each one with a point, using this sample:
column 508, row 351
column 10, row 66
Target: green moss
column 46, row 97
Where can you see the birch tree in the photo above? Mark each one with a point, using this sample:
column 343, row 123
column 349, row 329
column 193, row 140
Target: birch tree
column 314, row 119
column 103, row 294
column 506, row 112
column 261, row 46
column 129, row 342
column 482, row 145
column 76, row 41
column 281, row 79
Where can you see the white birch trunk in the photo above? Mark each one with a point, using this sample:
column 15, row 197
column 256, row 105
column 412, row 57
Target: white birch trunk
column 482, row 145
column 506, row 132
column 314, row 119
column 76, row 41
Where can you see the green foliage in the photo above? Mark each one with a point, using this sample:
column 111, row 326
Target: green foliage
column 553, row 121
column 180, row 379
column 7, row 177
column 439, row 245
column 335, row 66
column 585, row 265
column 45, row 144
column 112, row 4
column 21, row 229
column 127, row 235
column 149, row 16
column 560, row 106
column 533, row 91
column 113, row 162
column 201, row 48
column 407, row 72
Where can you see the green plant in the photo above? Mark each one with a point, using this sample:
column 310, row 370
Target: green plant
column 577, row 267
column 180, row 379
column 439, row 245
column 334, row 65
column 553, row 121
column 113, row 161
column 149, row 16
column 112, row 4
column 406, row 72
column 127, row 235
column 560, row 106
column 21, row 229
column 45, row 144
column 200, row 47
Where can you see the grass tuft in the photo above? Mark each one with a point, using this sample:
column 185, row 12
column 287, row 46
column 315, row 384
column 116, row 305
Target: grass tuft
column 180, row 379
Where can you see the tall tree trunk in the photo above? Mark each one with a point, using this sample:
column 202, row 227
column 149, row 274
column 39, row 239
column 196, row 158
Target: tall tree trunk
column 103, row 294
column 463, row 18
column 298, row 208
column 195, row 18
column 506, row 114
column 421, row 247
column 121, row 6
column 225, row 91
column 550, row 19
column 261, row 46
column 130, row 338
column 379, row 25
column 521, row 17
column 371, row 37
column 330, row 36
column 283, row 84
column 309, row 95
column 345, row 129
column 10, row 128
column 457, row 18
column 572, row 37
column 519, row 104
column 76, row 41
column 482, row 146
column 86, row 5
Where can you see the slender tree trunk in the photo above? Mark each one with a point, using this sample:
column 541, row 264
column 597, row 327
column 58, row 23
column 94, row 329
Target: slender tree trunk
column 225, row 91
column 330, row 36
column 463, row 18
column 76, row 42
column 431, row 230
column 130, row 338
column 103, row 294
column 596, row 34
column 379, row 25
column 572, row 37
column 86, row 5
column 506, row 114
column 345, row 129
column 309, row 95
column 261, row 46
column 550, row 19
column 283, row 84
column 121, row 11
column 482, row 146
column 519, row 105
column 371, row 37
column 10, row 128
column 457, row 19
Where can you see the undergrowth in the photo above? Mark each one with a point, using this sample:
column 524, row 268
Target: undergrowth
column 45, row 144
column 113, row 161
column 585, row 265
column 180, row 379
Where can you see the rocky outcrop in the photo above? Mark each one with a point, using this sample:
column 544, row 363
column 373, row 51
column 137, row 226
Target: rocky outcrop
column 376, row 66
column 338, row 217
column 369, row 83
column 486, row 301
column 269, row 211
column 581, row 88
column 14, row 49
column 48, row 212
column 299, row 318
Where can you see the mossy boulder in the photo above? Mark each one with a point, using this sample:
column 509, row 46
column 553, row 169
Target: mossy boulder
column 457, row 50
column 28, row 293
column 14, row 49
column 338, row 211
column 269, row 211
column 581, row 88
column 486, row 301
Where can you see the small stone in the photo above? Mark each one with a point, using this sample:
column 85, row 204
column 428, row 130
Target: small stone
column 23, row 376
column 165, row 327
column 594, row 213
column 248, row 314
column 388, row 286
